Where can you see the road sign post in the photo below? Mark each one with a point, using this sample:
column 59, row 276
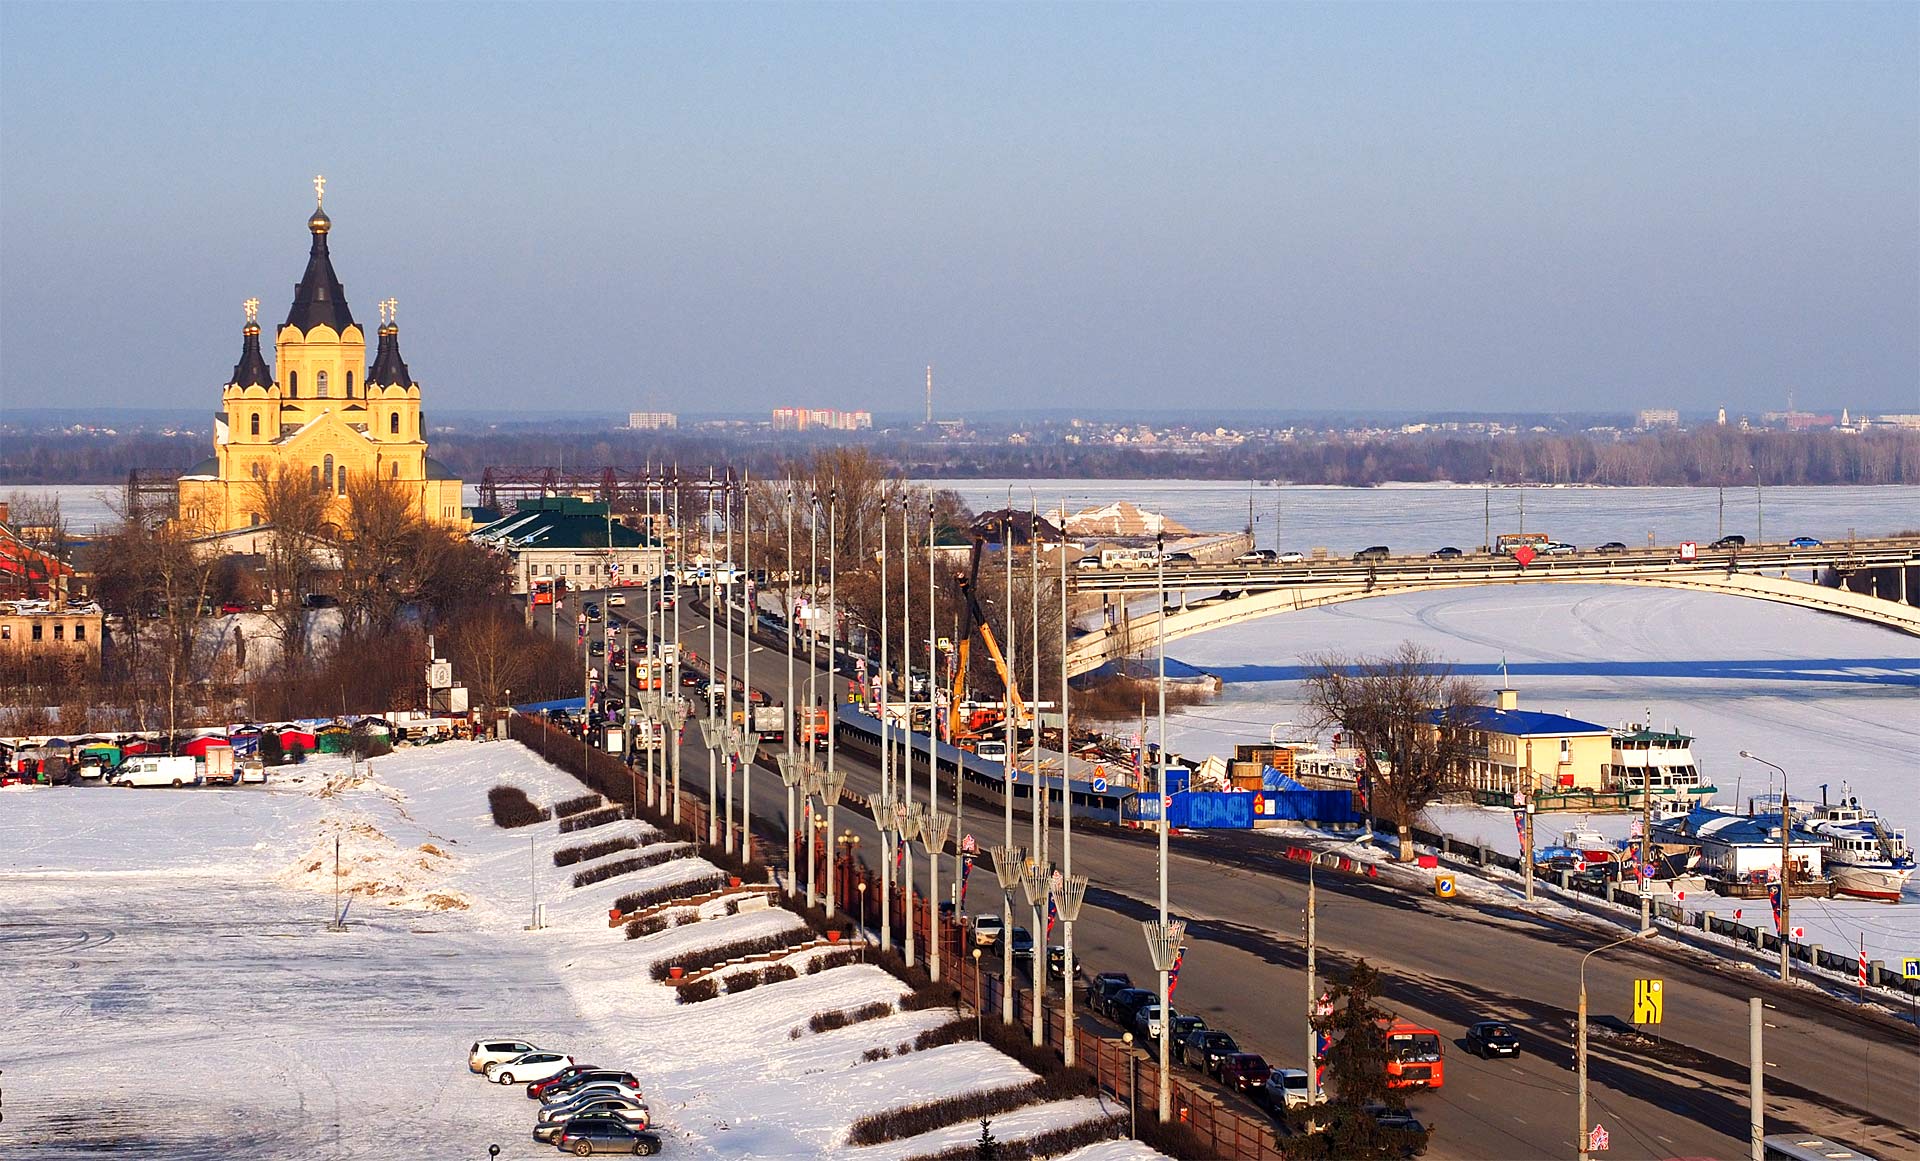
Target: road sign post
column 1647, row 1001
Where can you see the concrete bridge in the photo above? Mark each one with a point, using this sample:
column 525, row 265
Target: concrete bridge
column 1868, row 580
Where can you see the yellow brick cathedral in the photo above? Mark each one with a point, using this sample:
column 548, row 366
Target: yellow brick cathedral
column 326, row 413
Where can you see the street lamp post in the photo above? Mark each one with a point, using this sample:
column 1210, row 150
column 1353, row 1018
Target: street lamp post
column 793, row 772
column 979, row 1018
column 886, row 740
column 1033, row 880
column 831, row 782
column 934, row 826
column 1133, row 1086
column 1006, row 867
column 1580, row 1046
column 1786, row 867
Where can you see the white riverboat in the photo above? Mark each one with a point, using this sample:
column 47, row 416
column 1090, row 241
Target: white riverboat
column 1867, row 859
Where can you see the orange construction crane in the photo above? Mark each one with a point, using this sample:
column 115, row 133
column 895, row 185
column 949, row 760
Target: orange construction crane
column 974, row 618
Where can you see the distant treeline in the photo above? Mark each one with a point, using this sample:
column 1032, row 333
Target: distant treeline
column 1704, row 457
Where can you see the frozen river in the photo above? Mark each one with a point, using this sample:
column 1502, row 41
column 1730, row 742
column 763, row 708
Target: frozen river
column 1835, row 702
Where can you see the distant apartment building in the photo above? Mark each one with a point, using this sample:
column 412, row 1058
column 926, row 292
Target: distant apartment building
column 1659, row 417
column 1909, row 422
column 820, row 419
column 652, row 421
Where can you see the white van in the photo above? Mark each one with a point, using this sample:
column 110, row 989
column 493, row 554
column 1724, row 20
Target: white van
column 156, row 771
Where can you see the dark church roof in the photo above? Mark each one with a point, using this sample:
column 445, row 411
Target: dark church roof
column 319, row 299
column 389, row 369
column 439, row 471
column 251, row 370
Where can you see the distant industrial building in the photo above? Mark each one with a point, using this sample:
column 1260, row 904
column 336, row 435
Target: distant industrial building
column 1659, row 417
column 652, row 421
column 820, row 419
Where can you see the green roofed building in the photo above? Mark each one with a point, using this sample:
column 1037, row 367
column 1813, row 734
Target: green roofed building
column 571, row 538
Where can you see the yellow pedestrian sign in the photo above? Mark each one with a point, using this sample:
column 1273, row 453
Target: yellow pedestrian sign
column 1646, row 1001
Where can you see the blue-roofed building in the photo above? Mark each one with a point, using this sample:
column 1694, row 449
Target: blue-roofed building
column 1515, row 749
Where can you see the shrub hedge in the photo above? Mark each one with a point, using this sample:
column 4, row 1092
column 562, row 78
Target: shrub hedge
column 842, row 1017
column 592, row 818
column 572, row 806
column 567, row 856
column 1052, row 1143
column 512, row 808
column 663, row 853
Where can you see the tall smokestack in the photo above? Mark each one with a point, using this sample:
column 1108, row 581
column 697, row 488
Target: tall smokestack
column 929, row 394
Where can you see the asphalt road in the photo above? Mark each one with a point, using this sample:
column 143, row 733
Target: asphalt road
column 1448, row 964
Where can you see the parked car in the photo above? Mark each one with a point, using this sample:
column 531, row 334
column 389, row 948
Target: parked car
column 585, row 1136
column 1022, row 946
column 1491, row 1038
column 986, row 930
column 1102, row 987
column 1256, row 556
column 1289, row 1088
column 319, row 601
column 1185, row 1026
column 592, row 610
column 1125, row 1004
column 1729, row 542
column 1290, row 558
column 1087, row 564
column 596, row 1088
column 573, row 1077
column 1557, row 548
column 1243, row 1071
column 620, row 1088
column 527, row 1066
column 594, row 648
column 1204, row 1049
column 627, row 1108
column 1147, row 1021
column 485, row 1052
column 1447, row 553
column 637, row 1117
column 616, row 600
column 1373, row 552
column 1804, row 542
column 1611, row 546
column 1405, row 1122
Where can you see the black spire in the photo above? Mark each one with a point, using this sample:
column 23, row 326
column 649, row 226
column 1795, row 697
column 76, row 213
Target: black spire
column 251, row 370
column 389, row 369
column 318, row 298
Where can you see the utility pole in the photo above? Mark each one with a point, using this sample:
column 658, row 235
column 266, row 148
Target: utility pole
column 1580, row 1039
column 790, row 772
column 834, row 778
column 1170, row 941
column 1756, row 1083
column 1010, row 877
column 886, row 753
column 1646, row 838
column 906, row 604
column 713, row 673
column 1313, row 990
column 748, row 616
column 1073, row 888
column 1786, row 869
column 671, row 739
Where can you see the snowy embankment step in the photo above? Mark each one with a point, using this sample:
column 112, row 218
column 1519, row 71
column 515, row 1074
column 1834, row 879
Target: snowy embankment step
column 1124, row 1150
column 1007, row 1129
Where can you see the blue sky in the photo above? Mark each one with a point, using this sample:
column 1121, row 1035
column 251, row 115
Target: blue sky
column 1532, row 207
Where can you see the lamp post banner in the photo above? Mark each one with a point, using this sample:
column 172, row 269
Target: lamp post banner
column 966, row 869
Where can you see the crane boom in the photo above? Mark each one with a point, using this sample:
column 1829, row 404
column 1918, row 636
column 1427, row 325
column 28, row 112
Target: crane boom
column 974, row 618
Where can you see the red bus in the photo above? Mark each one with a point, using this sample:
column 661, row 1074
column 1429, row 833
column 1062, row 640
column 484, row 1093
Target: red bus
column 542, row 592
column 1415, row 1055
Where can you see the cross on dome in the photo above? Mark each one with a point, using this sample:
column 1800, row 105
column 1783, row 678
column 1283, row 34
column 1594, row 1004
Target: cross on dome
column 252, row 306
column 319, row 190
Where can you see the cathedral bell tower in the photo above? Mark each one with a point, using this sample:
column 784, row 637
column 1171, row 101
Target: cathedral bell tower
column 320, row 352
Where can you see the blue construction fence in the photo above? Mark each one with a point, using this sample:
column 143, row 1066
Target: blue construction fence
column 1241, row 809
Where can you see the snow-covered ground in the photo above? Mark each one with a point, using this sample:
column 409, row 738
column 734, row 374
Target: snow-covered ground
column 171, row 990
column 1833, row 701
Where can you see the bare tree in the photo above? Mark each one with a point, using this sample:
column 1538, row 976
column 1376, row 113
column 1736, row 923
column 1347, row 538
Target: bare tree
column 489, row 650
column 1411, row 717
column 295, row 504
column 382, row 532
